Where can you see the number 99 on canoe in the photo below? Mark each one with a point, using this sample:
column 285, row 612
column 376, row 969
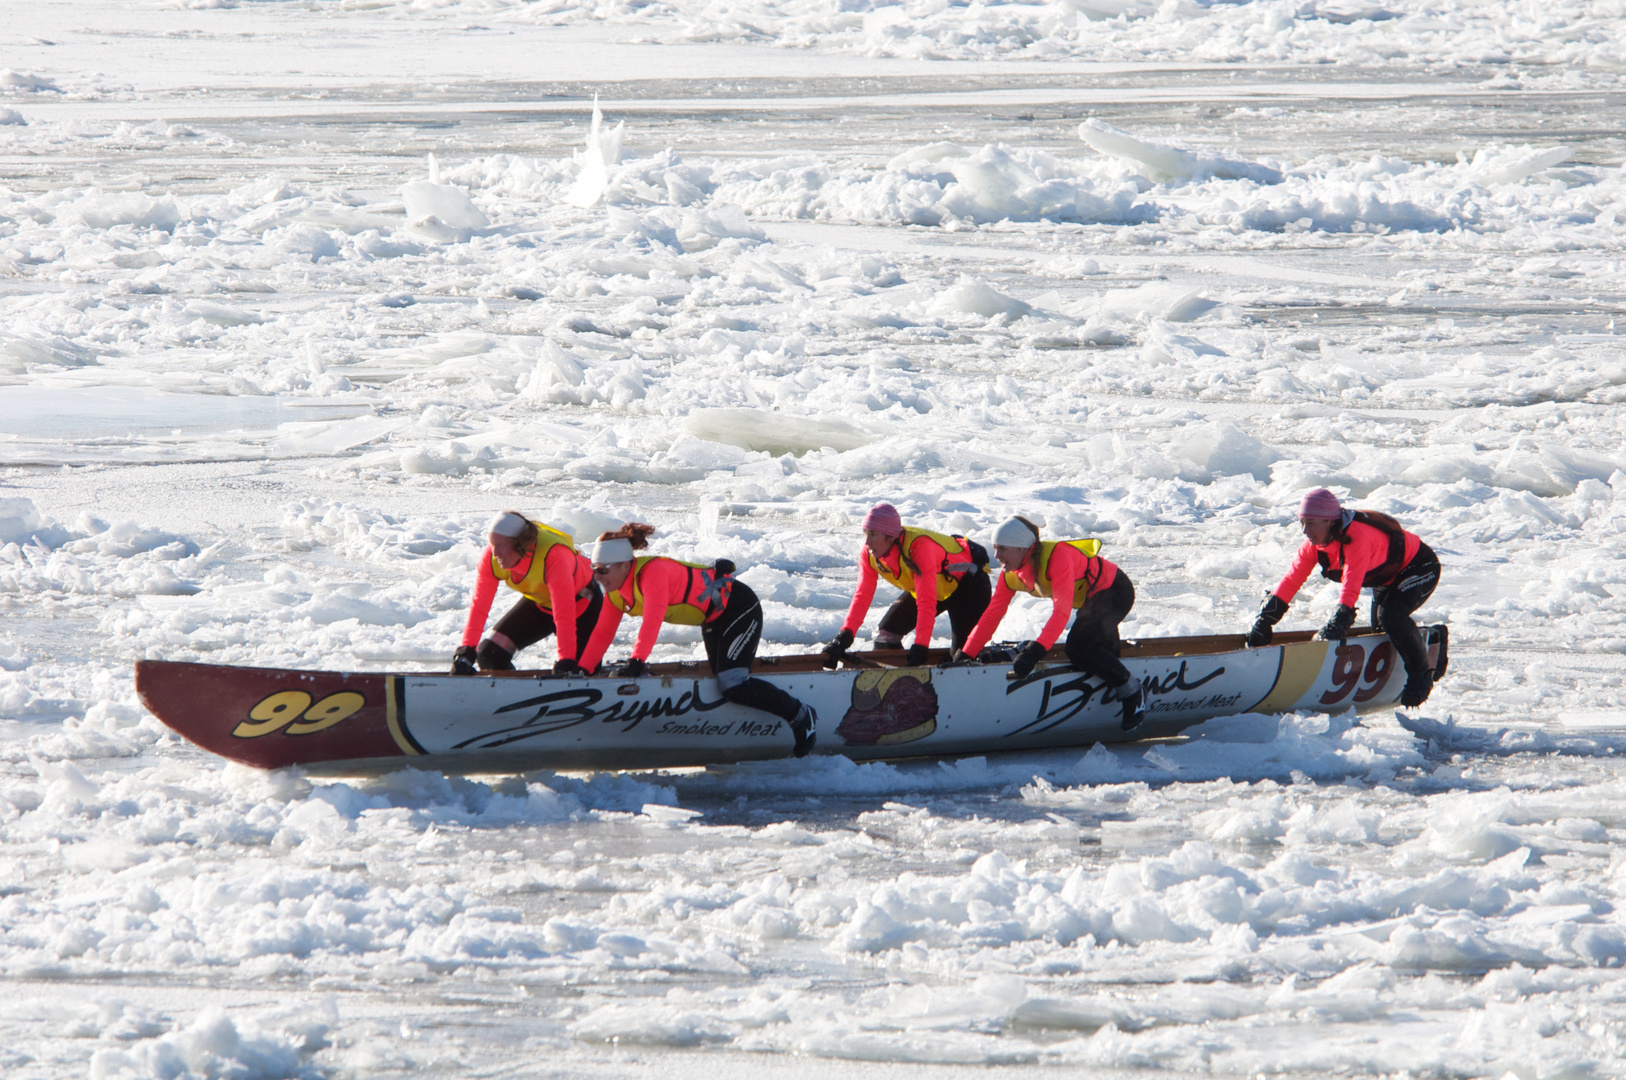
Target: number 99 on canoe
column 1351, row 667
column 283, row 708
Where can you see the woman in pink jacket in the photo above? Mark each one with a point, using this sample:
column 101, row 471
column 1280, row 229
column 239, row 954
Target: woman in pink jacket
column 1072, row 574
column 1361, row 549
column 936, row 571
column 659, row 589
column 557, row 596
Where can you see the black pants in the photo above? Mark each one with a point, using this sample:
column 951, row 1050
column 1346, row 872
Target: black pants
column 1093, row 644
column 731, row 642
column 526, row 624
column 964, row 606
column 1392, row 607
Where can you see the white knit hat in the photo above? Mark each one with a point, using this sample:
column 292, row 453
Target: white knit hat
column 507, row 524
column 612, row 551
column 1013, row 532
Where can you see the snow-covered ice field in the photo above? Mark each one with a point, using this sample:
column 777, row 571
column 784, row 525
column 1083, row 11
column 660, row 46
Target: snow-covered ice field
column 293, row 295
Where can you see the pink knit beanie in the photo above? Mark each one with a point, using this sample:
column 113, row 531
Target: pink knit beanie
column 1322, row 504
column 883, row 518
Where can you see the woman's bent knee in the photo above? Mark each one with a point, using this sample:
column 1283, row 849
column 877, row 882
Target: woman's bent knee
column 493, row 657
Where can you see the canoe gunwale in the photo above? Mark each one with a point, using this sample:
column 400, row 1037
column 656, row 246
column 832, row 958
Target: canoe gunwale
column 870, row 659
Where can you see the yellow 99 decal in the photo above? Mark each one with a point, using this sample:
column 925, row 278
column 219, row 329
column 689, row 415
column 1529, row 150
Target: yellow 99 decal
column 281, row 709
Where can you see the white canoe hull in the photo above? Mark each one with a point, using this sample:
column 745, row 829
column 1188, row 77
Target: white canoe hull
column 676, row 716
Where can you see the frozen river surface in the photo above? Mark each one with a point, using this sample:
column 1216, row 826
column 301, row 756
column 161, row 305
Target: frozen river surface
column 1144, row 271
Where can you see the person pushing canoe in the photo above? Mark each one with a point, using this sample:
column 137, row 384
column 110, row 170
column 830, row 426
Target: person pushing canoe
column 662, row 589
column 1361, row 549
column 931, row 568
column 557, row 596
column 1076, row 579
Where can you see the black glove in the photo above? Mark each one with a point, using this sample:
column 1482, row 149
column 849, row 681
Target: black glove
column 463, row 660
column 995, row 654
column 837, row 648
column 916, row 656
column 632, row 669
column 959, row 659
column 1026, row 658
column 1269, row 616
column 1337, row 628
column 568, row 667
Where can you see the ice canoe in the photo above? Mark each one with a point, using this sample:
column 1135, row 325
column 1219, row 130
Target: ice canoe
column 873, row 707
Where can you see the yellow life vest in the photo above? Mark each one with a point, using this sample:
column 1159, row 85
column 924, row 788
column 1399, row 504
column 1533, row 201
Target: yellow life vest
column 1041, row 577
column 531, row 585
column 704, row 598
column 957, row 564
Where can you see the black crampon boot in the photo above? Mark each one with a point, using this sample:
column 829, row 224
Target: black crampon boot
column 803, row 730
column 1417, row 689
column 1130, row 696
column 1408, row 641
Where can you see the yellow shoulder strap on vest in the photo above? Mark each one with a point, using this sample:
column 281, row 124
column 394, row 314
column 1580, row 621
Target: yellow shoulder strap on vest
column 906, row 569
column 548, row 532
column 635, row 606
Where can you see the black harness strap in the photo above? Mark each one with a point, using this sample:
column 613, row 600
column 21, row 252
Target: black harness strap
column 1384, row 572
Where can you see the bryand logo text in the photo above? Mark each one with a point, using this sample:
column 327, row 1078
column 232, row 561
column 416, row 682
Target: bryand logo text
column 564, row 709
column 1066, row 698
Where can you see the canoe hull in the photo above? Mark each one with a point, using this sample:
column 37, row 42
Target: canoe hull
column 353, row 724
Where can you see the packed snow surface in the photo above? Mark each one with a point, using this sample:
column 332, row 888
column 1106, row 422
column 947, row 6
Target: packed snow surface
column 293, row 296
